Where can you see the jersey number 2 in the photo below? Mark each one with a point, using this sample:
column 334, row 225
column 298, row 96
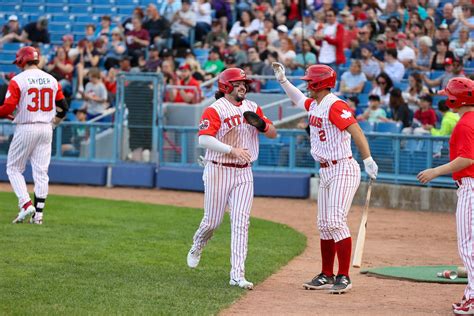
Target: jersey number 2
column 322, row 135
column 41, row 99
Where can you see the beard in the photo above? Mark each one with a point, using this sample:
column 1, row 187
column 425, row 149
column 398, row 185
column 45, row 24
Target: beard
column 239, row 99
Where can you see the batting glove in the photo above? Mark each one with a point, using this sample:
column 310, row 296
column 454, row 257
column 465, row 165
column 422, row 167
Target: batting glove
column 279, row 71
column 371, row 167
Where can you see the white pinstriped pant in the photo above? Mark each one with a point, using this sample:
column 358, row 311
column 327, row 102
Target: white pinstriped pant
column 337, row 187
column 233, row 187
column 465, row 230
column 33, row 142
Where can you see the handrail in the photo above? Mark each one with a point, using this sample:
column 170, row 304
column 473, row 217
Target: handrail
column 106, row 113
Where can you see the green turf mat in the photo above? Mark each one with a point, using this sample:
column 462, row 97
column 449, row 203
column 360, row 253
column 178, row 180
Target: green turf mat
column 415, row 273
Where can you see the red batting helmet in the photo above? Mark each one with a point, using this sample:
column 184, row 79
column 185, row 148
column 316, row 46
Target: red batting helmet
column 230, row 75
column 460, row 92
column 25, row 55
column 320, row 77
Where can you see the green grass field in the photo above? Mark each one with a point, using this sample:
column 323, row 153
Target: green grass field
column 96, row 256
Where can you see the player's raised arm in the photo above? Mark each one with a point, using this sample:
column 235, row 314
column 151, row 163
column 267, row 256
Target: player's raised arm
column 296, row 96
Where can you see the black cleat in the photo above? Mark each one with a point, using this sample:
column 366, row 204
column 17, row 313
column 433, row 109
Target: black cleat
column 320, row 282
column 342, row 285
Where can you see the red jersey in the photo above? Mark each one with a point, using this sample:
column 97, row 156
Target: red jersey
column 328, row 122
column 225, row 121
column 197, row 91
column 461, row 144
column 426, row 117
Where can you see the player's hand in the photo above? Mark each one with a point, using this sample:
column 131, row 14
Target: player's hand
column 10, row 117
column 279, row 71
column 371, row 168
column 242, row 154
column 427, row 175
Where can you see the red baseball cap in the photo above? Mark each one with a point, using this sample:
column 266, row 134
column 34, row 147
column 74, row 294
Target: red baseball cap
column 401, row 36
column 185, row 67
column 448, row 61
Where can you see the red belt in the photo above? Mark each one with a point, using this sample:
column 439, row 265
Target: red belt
column 232, row 165
column 324, row 164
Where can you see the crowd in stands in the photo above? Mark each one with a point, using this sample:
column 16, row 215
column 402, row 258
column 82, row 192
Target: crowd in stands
column 398, row 53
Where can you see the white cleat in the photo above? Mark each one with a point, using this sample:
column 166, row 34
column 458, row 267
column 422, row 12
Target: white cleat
column 242, row 283
column 24, row 214
column 194, row 255
column 37, row 218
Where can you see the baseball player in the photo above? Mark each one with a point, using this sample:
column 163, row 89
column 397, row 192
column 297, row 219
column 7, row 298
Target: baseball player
column 331, row 126
column 229, row 131
column 460, row 93
column 39, row 103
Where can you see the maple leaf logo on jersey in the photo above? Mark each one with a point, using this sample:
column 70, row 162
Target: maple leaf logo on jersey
column 204, row 124
column 346, row 114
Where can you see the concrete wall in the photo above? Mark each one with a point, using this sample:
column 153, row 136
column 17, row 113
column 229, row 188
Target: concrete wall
column 401, row 197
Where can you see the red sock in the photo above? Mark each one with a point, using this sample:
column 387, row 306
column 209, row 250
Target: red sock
column 344, row 250
column 328, row 253
column 26, row 205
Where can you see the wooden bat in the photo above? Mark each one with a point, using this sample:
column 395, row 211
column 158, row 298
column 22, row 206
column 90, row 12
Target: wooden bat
column 356, row 263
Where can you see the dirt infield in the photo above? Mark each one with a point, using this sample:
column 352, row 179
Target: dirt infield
column 394, row 237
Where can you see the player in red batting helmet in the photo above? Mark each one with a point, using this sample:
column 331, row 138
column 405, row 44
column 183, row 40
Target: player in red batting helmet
column 460, row 92
column 25, row 55
column 231, row 75
column 320, row 77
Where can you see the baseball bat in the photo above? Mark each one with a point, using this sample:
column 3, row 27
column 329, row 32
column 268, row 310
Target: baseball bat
column 356, row 263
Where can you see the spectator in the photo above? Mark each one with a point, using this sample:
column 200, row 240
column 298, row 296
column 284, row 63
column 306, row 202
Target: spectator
column 448, row 121
column 182, row 22
column 262, row 47
column 399, row 111
column 425, row 115
column 153, row 61
column 332, row 37
column 127, row 25
column 369, row 65
column 414, row 90
column 223, row 12
column 125, row 64
column 234, row 49
column 374, row 113
column 424, row 54
column 88, row 58
column 196, row 70
column 414, row 6
column 406, row 55
column 443, row 33
column 392, row 67
column 306, row 57
column 136, row 40
column 353, row 81
column 441, row 54
column 202, row 10
column 68, row 42
column 380, row 48
column 429, row 27
column 252, row 39
column 258, row 22
column 214, row 64
column 169, row 10
column 357, row 11
column 267, row 69
column 216, row 33
column 271, row 35
column 36, row 32
column 169, row 74
column 363, row 40
column 245, row 23
column 351, row 31
column 105, row 28
column 466, row 19
column 353, row 103
column 43, row 60
column 208, row 90
column 110, row 83
column 448, row 17
column 61, row 68
column 394, row 24
column 255, row 85
column 282, row 31
column 11, row 32
column 157, row 26
column 254, row 61
column 391, row 37
column 90, row 32
column 189, row 95
column 95, row 95
column 373, row 22
column 308, row 25
column 461, row 46
column 382, row 87
column 452, row 67
column 115, row 51
column 286, row 53
column 78, row 133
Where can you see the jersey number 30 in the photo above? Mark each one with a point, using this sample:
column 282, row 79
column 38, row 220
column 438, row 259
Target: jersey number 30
column 41, row 99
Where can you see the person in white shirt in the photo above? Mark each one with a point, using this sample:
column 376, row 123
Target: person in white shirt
column 406, row 55
column 202, row 9
column 394, row 69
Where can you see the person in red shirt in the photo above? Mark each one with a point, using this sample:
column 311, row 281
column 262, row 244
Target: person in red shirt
column 425, row 115
column 189, row 95
column 461, row 150
column 137, row 40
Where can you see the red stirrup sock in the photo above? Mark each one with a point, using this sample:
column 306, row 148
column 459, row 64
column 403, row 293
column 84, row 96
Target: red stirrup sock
column 328, row 253
column 344, row 250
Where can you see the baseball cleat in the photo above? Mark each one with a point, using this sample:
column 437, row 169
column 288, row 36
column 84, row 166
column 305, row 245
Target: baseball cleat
column 320, row 282
column 455, row 305
column 37, row 218
column 465, row 308
column 194, row 255
column 24, row 214
column 342, row 285
column 242, row 283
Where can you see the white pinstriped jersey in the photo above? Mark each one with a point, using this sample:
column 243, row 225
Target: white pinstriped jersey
column 328, row 121
column 34, row 93
column 225, row 121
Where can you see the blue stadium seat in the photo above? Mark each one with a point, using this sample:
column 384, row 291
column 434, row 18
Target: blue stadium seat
column 32, row 8
column 10, row 8
column 61, row 18
column 79, row 2
column 55, row 1
column 12, row 47
column 127, row 2
column 363, row 99
column 104, row 10
column 9, row 68
column 436, row 99
column 367, row 87
column 6, row 57
column 388, row 127
column 436, row 74
column 80, row 10
column 125, row 10
column 366, row 126
column 402, row 85
column 103, row 2
column 87, row 19
column 271, row 86
column 298, row 72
